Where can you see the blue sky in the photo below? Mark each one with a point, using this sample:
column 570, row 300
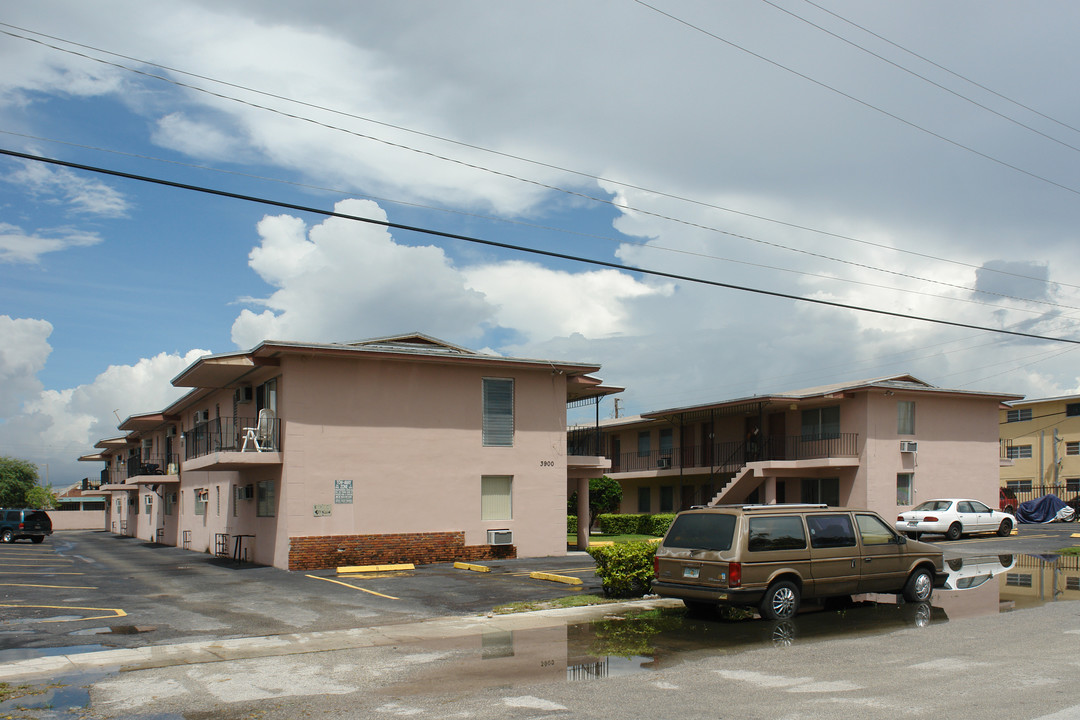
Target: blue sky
column 735, row 142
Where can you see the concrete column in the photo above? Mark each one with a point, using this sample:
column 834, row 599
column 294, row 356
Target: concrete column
column 583, row 514
column 770, row 491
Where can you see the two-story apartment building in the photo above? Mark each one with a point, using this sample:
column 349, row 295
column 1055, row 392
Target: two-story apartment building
column 885, row 443
column 1041, row 447
column 401, row 449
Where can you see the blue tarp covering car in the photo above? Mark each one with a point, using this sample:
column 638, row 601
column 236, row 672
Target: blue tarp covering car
column 1047, row 509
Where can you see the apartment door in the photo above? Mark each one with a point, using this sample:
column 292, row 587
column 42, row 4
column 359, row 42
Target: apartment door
column 777, row 441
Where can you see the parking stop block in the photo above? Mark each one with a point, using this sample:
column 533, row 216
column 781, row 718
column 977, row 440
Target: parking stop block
column 471, row 566
column 565, row 579
column 349, row 569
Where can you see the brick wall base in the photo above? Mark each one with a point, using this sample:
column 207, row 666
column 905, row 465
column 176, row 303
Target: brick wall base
column 329, row 551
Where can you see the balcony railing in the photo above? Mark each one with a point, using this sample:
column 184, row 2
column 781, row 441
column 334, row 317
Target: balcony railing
column 153, row 465
column 227, row 435
column 732, row 456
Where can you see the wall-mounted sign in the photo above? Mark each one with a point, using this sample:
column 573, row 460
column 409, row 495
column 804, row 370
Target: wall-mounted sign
column 343, row 492
column 322, row 510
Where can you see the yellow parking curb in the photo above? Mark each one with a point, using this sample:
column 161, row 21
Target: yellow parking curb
column 374, row 568
column 565, row 579
column 471, row 566
column 1075, row 535
column 602, row 543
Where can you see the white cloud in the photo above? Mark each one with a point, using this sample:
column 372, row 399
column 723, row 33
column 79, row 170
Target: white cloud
column 16, row 245
column 24, row 348
column 543, row 303
column 82, row 194
column 200, row 139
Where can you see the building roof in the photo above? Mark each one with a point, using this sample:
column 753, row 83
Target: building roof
column 889, row 383
column 220, row 371
column 1039, row 401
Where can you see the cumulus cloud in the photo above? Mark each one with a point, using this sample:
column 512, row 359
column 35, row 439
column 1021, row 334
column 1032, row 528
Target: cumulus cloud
column 17, row 245
column 544, row 303
column 24, row 348
column 56, row 426
column 196, row 138
column 81, row 194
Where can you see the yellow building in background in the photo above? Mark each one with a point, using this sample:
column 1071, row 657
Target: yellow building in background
column 1040, row 448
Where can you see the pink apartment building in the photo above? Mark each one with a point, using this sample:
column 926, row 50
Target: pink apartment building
column 400, row 449
column 884, row 444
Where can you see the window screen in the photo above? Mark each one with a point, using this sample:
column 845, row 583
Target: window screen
column 496, row 497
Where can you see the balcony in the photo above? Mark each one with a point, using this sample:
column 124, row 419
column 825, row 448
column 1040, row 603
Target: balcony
column 153, row 465
column 583, row 456
column 731, row 457
column 233, row 444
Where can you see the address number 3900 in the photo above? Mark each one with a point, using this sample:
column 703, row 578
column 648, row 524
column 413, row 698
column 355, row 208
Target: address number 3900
column 547, row 463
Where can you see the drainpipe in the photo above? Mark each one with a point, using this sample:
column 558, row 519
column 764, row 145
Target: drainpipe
column 1054, row 446
column 1042, row 467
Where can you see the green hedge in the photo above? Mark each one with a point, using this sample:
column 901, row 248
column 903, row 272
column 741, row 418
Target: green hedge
column 633, row 524
column 628, row 524
column 626, row 569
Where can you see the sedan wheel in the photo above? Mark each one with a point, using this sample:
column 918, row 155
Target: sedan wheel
column 1006, row 528
column 781, row 601
column 954, row 531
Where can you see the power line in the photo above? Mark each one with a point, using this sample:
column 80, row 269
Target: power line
column 911, row 72
column 538, row 163
column 864, row 103
column 624, row 241
column 520, row 248
column 942, row 67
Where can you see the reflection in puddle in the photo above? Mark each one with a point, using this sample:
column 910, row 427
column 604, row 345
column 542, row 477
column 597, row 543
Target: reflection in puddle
column 639, row 642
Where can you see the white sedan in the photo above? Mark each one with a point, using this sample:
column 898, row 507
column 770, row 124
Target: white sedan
column 953, row 517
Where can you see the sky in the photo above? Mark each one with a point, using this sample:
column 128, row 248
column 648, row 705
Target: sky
column 723, row 164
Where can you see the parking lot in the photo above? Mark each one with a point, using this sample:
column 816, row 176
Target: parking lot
column 94, row 589
column 90, row 587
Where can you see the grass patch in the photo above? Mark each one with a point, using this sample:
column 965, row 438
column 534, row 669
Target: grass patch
column 563, row 602
column 1069, row 551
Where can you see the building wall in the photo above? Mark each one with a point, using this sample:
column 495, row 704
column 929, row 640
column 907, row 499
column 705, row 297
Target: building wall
column 1043, row 468
column 77, row 520
column 408, row 437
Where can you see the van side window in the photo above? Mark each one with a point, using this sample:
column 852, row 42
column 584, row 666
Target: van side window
column 781, row 532
column 830, row 531
column 874, row 531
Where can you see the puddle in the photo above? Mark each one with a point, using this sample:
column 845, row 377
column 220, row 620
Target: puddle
column 637, row 643
column 36, row 652
column 115, row 630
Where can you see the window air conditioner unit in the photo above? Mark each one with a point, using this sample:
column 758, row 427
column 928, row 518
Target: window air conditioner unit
column 663, row 463
column 202, row 495
column 243, row 394
column 170, row 431
column 202, row 416
column 909, row 446
column 500, row 537
column 245, row 492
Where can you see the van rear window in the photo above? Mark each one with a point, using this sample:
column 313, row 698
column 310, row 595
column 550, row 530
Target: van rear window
column 701, row 531
column 782, row 532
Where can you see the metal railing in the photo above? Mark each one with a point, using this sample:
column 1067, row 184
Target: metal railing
column 731, row 456
column 227, row 435
column 153, row 465
column 1013, row 496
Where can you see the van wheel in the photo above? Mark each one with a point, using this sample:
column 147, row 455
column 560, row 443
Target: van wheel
column 953, row 533
column 781, row 601
column 7, row 536
column 920, row 586
column 1006, row 527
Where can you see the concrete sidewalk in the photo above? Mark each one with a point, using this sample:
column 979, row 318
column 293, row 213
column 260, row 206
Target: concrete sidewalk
column 156, row 656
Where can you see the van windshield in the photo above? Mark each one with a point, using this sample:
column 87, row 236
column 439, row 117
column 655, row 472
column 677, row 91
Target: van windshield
column 701, row 531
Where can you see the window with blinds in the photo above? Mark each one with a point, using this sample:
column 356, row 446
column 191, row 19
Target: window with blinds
column 498, row 422
column 496, row 497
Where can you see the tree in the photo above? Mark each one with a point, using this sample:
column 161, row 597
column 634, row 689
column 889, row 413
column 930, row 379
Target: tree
column 17, row 477
column 605, row 496
column 41, row 498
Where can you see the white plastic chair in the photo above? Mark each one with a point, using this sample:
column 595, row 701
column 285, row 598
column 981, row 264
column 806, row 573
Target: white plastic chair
column 262, row 434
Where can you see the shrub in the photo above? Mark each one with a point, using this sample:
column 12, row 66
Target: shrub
column 612, row 524
column 571, row 524
column 658, row 524
column 625, row 569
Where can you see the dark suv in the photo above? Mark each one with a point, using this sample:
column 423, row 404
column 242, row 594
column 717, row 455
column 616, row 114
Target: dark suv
column 17, row 524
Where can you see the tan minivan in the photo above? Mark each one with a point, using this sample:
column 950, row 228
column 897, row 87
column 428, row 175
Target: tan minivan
column 770, row 557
